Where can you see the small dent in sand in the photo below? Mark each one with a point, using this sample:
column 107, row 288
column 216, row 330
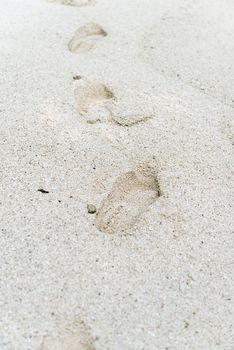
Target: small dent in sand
column 85, row 37
column 74, row 336
column 130, row 196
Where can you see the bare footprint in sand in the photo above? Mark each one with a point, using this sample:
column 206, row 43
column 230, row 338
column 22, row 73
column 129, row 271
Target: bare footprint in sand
column 75, row 336
column 86, row 36
column 92, row 99
column 98, row 103
column 77, row 3
column 131, row 195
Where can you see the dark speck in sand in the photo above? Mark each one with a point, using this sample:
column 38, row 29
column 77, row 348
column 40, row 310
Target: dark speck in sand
column 77, row 77
column 42, row 191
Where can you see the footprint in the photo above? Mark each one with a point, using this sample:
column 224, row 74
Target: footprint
column 92, row 101
column 85, row 37
column 75, row 336
column 98, row 103
column 131, row 195
column 78, row 3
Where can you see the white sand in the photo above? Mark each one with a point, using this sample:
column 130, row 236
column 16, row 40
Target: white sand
column 153, row 111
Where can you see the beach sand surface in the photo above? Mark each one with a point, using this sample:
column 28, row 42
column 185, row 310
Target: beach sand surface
column 124, row 106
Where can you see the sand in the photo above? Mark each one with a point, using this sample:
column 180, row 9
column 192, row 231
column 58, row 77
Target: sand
column 125, row 105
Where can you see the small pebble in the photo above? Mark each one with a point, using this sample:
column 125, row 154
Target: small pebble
column 76, row 77
column 91, row 208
